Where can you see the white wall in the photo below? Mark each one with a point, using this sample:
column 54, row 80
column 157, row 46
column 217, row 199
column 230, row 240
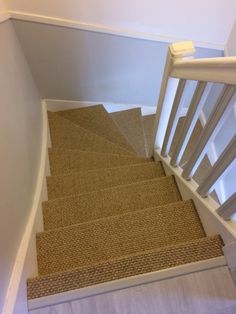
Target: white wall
column 199, row 20
column 20, row 142
column 231, row 42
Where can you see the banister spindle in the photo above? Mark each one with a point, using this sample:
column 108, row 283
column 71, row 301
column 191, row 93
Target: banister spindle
column 173, row 120
column 210, row 130
column 195, row 107
column 177, row 51
column 227, row 209
column 225, row 159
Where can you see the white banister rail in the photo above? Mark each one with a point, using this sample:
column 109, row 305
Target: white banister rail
column 181, row 67
column 225, row 159
column 218, row 70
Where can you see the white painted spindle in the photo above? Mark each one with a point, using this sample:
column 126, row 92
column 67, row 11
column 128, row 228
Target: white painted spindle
column 226, row 158
column 228, row 208
column 173, row 120
column 178, row 51
column 210, row 130
column 195, row 107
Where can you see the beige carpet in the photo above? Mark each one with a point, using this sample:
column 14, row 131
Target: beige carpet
column 69, row 160
column 65, row 134
column 93, row 180
column 89, row 206
column 97, row 120
column 111, row 214
column 130, row 124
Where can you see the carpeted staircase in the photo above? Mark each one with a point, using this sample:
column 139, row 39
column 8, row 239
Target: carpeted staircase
column 111, row 212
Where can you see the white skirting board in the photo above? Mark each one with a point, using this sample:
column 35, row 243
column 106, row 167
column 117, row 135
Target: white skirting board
column 57, row 105
column 126, row 283
column 26, row 264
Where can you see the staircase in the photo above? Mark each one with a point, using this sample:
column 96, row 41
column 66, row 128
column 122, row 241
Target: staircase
column 111, row 212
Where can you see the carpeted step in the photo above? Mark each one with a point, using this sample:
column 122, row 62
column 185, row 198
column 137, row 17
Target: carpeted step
column 68, row 160
column 126, row 266
column 148, row 125
column 65, row 134
column 89, row 206
column 131, row 125
column 115, row 236
column 97, row 120
column 93, row 180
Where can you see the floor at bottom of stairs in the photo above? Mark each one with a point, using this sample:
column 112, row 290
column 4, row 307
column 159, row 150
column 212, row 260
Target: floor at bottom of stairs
column 206, row 292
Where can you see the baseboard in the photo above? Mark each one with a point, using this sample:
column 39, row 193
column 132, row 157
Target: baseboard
column 126, row 283
column 57, row 105
column 25, row 264
column 206, row 207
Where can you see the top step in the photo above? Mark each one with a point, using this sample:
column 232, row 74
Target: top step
column 97, row 120
column 66, row 134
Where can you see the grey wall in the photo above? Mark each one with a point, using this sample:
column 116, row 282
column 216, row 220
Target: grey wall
column 88, row 66
column 20, row 142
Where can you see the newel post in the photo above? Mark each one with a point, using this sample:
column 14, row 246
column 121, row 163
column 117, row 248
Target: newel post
column 176, row 51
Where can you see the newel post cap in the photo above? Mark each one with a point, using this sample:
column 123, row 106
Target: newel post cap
column 182, row 49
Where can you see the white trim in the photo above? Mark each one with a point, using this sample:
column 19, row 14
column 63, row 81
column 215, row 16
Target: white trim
column 107, row 29
column 206, row 207
column 212, row 155
column 126, row 283
column 4, row 16
column 58, row 104
column 32, row 225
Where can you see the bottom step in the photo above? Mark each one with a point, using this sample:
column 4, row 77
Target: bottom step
column 127, row 266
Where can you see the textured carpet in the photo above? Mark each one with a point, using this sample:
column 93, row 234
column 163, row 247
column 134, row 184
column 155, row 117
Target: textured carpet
column 111, row 214
column 126, row 266
column 65, row 134
column 89, row 206
column 97, row 120
column 148, row 125
column 130, row 124
column 70, row 160
column 93, row 180
column 115, row 236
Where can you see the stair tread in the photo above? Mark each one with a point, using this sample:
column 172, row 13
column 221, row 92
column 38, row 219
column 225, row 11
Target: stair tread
column 97, row 120
column 131, row 125
column 83, row 207
column 68, row 160
column 126, row 266
column 148, row 124
column 110, row 237
column 66, row 134
column 92, row 180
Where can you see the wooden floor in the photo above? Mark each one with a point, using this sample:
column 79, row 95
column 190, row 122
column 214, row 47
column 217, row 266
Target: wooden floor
column 205, row 292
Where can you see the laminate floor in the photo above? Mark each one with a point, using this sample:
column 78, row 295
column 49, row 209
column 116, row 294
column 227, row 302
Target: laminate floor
column 206, row 292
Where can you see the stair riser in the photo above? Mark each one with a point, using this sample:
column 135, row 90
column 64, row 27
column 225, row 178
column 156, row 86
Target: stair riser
column 65, row 161
column 88, row 181
column 199, row 250
column 113, row 237
column 104, row 203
